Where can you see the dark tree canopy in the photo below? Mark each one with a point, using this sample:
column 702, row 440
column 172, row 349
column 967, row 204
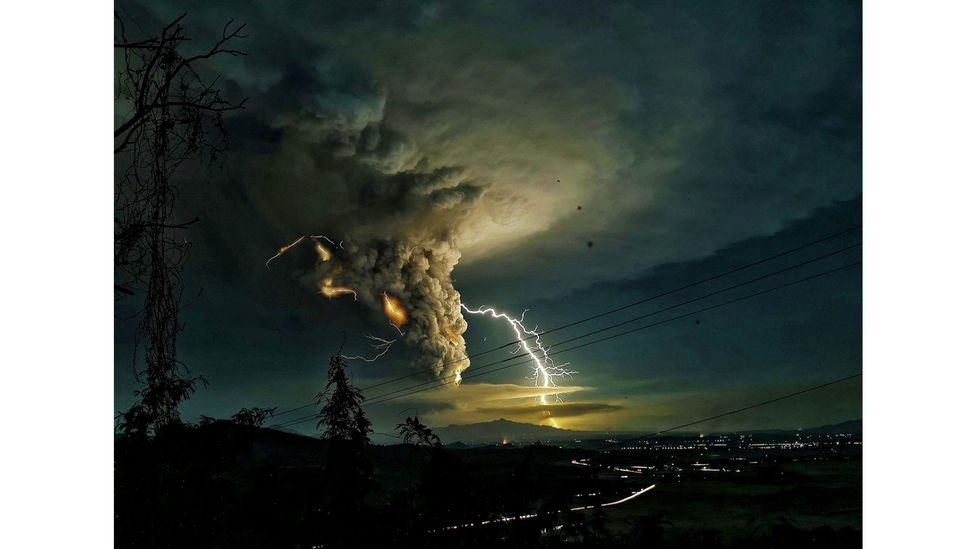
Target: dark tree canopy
column 342, row 416
column 252, row 417
column 413, row 430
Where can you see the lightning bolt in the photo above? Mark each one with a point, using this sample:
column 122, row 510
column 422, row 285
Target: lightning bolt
column 379, row 344
column 327, row 285
column 282, row 250
column 545, row 372
column 323, row 254
column 396, row 313
column 321, row 236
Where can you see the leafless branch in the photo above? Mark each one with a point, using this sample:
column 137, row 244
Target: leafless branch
column 174, row 115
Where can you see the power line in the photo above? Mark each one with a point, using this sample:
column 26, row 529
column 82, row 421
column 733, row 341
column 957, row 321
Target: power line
column 295, row 410
column 634, row 304
column 736, row 411
column 627, row 332
column 637, row 318
column 621, row 308
column 447, row 380
column 302, row 419
column 613, row 336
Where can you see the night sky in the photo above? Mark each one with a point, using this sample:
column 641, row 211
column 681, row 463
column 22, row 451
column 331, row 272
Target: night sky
column 576, row 156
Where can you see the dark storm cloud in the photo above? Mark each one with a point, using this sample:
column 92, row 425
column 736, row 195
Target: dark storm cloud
column 502, row 137
column 679, row 127
column 339, row 171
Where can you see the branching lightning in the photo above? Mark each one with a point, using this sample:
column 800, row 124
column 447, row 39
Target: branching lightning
column 379, row 344
column 545, row 371
column 327, row 285
column 437, row 327
column 396, row 313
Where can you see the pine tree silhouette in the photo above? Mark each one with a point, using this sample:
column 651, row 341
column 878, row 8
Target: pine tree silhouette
column 340, row 515
column 342, row 416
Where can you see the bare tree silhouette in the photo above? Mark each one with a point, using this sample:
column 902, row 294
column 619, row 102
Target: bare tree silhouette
column 170, row 113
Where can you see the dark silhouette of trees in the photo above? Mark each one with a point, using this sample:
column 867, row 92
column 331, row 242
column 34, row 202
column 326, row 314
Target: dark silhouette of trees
column 413, row 430
column 252, row 417
column 339, row 514
column 158, row 79
column 171, row 112
column 342, row 415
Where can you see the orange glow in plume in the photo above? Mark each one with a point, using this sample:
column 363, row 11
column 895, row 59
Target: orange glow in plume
column 330, row 291
column 324, row 254
column 394, row 311
column 450, row 333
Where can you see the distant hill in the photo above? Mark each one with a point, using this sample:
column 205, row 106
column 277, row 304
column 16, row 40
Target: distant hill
column 494, row 432
column 852, row 426
column 459, row 437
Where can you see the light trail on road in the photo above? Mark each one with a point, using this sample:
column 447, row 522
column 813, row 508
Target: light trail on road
column 636, row 494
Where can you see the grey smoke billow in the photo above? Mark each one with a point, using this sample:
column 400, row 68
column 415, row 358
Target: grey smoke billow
column 340, row 171
column 419, row 276
column 521, row 144
column 398, row 236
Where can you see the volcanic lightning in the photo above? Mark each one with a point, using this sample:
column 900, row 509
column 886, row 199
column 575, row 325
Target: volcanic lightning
column 282, row 250
column 394, row 310
column 380, row 345
column 328, row 288
column 324, row 253
column 407, row 283
column 545, row 371
column 452, row 335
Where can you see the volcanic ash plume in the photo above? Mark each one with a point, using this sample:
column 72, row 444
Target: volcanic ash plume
column 388, row 227
column 409, row 286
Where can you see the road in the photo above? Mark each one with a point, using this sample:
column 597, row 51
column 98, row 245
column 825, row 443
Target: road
column 636, row 494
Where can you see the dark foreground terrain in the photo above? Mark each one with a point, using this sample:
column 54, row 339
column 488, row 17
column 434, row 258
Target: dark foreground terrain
column 225, row 485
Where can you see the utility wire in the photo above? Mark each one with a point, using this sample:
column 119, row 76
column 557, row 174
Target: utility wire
column 634, row 304
column 309, row 405
column 446, row 380
column 717, row 416
column 619, row 334
column 635, row 319
column 616, row 310
column 736, row 411
column 613, row 336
